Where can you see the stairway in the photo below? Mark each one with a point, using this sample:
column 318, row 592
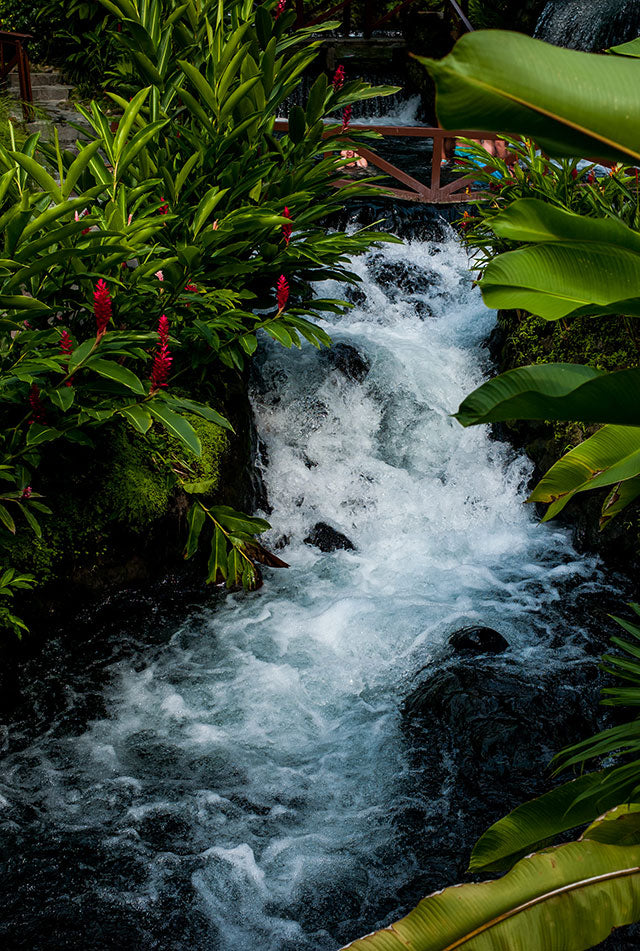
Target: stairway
column 52, row 105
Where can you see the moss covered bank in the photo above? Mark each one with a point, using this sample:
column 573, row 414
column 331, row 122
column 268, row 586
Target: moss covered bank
column 607, row 343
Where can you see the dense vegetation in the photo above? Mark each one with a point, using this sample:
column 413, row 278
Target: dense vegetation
column 138, row 271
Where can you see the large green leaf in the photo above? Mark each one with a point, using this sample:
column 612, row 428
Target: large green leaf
column 610, row 456
column 533, row 220
column 570, row 103
column 569, row 897
column 559, row 391
column 564, row 279
column 540, row 820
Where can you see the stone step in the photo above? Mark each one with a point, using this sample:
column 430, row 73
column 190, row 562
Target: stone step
column 39, row 78
column 51, row 93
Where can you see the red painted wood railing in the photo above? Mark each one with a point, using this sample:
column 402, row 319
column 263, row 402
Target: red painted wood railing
column 13, row 54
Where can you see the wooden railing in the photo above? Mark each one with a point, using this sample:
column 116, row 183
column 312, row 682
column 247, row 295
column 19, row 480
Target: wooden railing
column 433, row 193
column 13, row 54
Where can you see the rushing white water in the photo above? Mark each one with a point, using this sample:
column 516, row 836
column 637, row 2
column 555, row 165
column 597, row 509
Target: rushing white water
column 257, row 756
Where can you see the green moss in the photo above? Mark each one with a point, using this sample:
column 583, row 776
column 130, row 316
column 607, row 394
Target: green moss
column 607, row 343
column 202, row 475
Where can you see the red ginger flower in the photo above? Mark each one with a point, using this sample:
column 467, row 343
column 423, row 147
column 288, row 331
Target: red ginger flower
column 163, row 359
column 282, row 5
column 164, row 207
column 37, row 408
column 191, row 288
column 66, row 343
column 26, row 492
column 338, row 79
column 101, row 308
column 346, row 118
column 283, row 293
column 574, row 173
column 66, row 347
column 286, row 229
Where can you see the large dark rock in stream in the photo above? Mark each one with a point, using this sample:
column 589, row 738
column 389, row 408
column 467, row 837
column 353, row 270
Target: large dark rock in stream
column 478, row 640
column 481, row 731
column 327, row 539
column 345, row 358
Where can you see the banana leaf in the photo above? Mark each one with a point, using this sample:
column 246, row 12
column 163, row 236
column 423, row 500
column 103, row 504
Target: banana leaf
column 562, row 279
column 541, row 820
column 569, row 897
column 610, row 456
column 570, row 103
column 556, row 391
column 536, row 221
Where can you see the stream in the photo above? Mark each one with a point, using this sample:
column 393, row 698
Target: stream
column 235, row 772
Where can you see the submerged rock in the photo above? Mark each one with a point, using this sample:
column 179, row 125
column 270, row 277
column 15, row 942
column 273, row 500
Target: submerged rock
column 327, row 539
column 478, row 640
column 489, row 727
column 345, row 358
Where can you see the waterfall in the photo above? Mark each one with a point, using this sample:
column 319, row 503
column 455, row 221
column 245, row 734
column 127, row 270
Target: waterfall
column 240, row 777
column 587, row 25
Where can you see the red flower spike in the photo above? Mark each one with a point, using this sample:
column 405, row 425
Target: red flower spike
column 282, row 5
column 37, row 409
column 102, row 308
column 286, row 229
column 283, row 293
column 191, row 288
column 164, row 208
column 163, row 359
column 346, row 118
column 66, row 347
column 574, row 173
column 26, row 492
column 338, row 79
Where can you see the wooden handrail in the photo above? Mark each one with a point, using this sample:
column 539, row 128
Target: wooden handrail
column 13, row 53
column 434, row 193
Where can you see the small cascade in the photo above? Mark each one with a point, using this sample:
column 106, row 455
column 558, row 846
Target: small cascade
column 588, row 25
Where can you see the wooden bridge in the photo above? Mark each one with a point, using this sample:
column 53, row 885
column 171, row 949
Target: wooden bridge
column 433, row 192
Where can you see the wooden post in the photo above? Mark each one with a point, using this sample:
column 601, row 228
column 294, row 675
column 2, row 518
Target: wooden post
column 24, row 75
column 368, row 18
column 346, row 19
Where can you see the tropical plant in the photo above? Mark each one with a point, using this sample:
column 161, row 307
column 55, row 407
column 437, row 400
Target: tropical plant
column 567, row 264
column 183, row 224
column 540, row 904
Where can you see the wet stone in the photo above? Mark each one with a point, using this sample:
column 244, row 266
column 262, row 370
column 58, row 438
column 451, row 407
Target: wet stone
column 478, row 640
column 327, row 539
column 348, row 360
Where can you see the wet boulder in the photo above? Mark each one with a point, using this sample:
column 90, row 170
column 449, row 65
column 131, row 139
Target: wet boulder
column 406, row 277
column 349, row 361
column 327, row 539
column 489, row 726
column 478, row 640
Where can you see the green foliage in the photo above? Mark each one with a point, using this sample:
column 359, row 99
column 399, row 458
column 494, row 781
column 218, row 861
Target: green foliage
column 565, row 265
column 571, row 896
column 178, row 207
column 570, row 103
column 10, row 582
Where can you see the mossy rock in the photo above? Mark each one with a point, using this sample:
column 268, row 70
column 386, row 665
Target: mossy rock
column 119, row 512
